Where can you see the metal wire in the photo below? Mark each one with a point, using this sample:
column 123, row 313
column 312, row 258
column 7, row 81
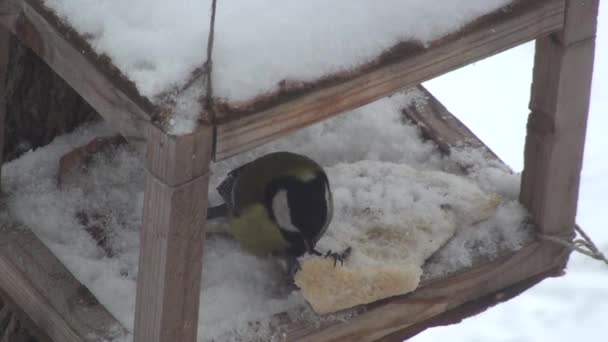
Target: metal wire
column 209, row 63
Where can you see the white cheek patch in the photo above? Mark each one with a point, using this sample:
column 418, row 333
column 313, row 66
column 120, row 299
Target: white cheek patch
column 281, row 211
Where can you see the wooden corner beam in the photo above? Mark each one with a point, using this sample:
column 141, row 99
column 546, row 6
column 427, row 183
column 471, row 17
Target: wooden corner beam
column 174, row 219
column 559, row 105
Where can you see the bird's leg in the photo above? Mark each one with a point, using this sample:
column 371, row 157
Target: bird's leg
column 335, row 255
column 316, row 252
column 293, row 265
column 339, row 256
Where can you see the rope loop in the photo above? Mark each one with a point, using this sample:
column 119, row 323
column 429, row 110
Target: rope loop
column 583, row 245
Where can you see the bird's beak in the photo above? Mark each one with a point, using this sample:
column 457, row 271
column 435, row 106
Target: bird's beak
column 310, row 246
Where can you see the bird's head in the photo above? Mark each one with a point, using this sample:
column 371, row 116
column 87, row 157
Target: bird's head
column 302, row 206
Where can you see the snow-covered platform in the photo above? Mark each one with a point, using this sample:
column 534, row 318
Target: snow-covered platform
column 90, row 220
column 152, row 71
column 92, row 228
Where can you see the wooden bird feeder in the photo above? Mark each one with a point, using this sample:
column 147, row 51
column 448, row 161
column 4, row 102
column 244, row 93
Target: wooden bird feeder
column 177, row 179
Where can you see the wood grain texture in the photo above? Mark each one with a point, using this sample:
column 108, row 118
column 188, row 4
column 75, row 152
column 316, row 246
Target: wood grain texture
column 38, row 30
column 27, row 330
column 4, row 55
column 174, row 219
column 450, row 299
column 40, row 285
column 473, row 307
column 557, row 124
column 177, row 180
column 531, row 19
column 395, row 316
column 178, row 159
column 439, row 125
column 580, row 22
column 40, row 104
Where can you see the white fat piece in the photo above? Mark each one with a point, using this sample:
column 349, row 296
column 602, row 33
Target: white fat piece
column 282, row 212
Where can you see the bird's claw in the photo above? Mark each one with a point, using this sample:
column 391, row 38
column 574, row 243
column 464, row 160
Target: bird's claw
column 293, row 266
column 338, row 256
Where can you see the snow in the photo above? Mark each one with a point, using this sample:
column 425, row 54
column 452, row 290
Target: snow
column 562, row 309
column 238, row 287
column 258, row 43
column 234, row 282
column 394, row 218
column 565, row 309
column 156, row 44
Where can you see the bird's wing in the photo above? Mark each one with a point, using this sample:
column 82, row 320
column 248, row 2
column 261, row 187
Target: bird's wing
column 222, row 210
column 226, row 188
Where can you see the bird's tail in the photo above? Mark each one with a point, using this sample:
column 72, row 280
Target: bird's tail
column 217, row 211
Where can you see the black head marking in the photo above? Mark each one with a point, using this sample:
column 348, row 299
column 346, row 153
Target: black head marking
column 308, row 207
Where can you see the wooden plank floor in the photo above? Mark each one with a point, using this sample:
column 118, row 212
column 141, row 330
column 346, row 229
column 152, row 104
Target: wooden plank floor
column 66, row 311
column 451, row 299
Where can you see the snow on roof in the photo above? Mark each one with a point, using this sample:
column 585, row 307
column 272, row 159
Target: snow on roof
column 258, row 43
column 237, row 287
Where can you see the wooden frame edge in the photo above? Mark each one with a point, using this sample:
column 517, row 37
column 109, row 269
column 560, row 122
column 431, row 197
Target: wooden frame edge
column 172, row 236
column 559, row 107
column 474, row 307
column 405, row 316
column 40, row 285
column 433, row 301
column 235, row 135
column 24, row 319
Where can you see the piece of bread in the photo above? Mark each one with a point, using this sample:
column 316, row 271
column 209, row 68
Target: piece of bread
column 394, row 218
column 330, row 289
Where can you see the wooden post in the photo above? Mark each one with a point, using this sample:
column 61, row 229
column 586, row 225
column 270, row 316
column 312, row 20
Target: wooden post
column 559, row 106
column 174, row 217
column 4, row 56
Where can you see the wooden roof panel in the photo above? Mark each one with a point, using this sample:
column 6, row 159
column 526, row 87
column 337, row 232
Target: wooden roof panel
column 296, row 104
column 245, row 126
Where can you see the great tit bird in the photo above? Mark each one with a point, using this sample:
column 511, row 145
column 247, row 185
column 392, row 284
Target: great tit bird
column 280, row 203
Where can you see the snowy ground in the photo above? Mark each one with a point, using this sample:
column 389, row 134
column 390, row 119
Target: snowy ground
column 573, row 307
